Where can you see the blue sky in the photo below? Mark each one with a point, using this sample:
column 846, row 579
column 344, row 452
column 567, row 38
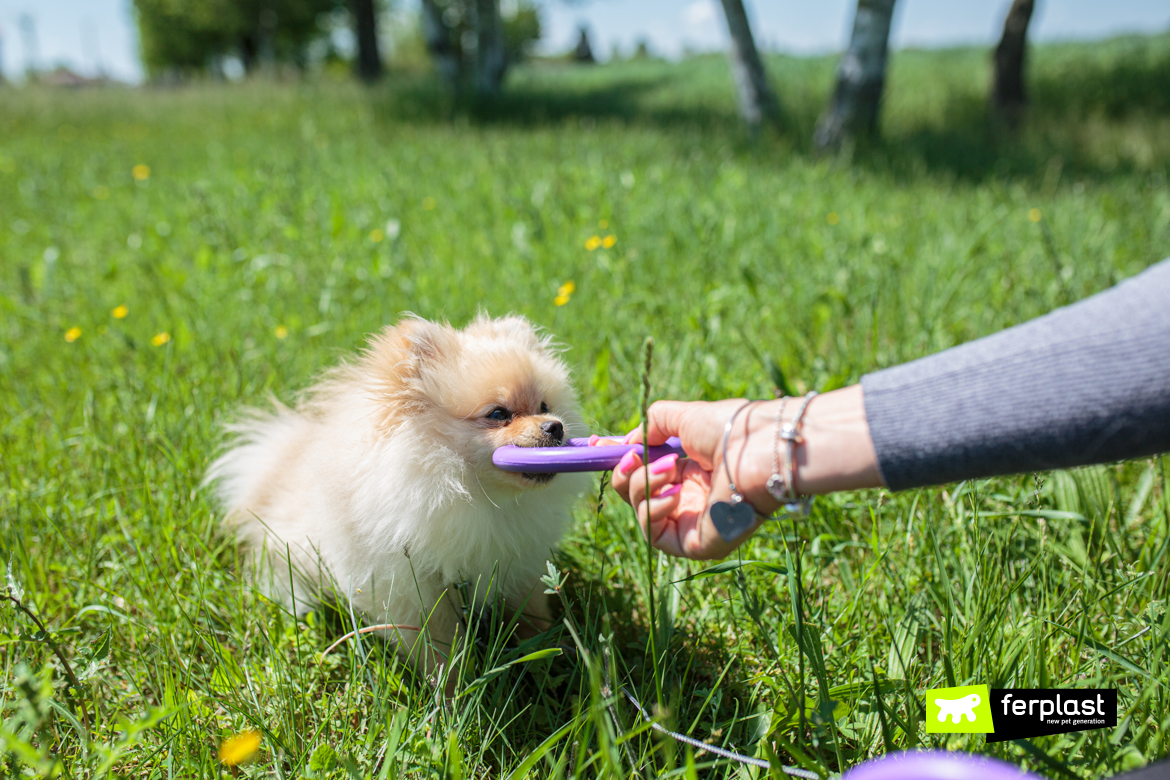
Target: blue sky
column 87, row 34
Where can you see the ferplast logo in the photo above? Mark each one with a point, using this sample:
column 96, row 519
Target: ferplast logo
column 1019, row 713
column 1023, row 713
column 962, row 710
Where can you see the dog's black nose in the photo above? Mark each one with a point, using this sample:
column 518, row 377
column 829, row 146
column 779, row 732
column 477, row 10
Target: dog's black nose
column 554, row 430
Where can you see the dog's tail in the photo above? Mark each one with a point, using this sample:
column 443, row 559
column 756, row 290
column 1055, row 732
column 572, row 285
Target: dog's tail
column 258, row 441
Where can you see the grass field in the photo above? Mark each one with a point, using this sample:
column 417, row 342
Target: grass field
column 255, row 233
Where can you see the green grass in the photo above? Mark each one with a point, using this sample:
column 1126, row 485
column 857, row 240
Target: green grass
column 259, row 214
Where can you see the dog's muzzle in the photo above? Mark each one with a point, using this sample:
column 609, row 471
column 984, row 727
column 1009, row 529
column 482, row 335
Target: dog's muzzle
column 552, row 434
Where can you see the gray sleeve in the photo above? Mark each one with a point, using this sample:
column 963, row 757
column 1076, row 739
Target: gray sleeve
column 1087, row 383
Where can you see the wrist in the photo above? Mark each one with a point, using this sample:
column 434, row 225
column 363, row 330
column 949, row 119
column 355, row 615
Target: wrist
column 835, row 451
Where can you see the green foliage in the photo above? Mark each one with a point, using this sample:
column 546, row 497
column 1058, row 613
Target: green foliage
column 186, row 35
column 522, row 29
column 277, row 225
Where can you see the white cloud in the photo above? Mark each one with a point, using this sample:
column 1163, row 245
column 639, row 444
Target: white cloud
column 700, row 14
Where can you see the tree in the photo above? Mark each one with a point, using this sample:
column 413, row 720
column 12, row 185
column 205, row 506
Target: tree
column 439, row 36
column 365, row 22
column 583, row 52
column 756, row 100
column 187, row 35
column 1008, row 98
column 489, row 48
column 861, row 77
column 472, row 44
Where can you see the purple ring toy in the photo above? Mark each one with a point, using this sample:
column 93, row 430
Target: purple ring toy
column 936, row 765
column 577, row 456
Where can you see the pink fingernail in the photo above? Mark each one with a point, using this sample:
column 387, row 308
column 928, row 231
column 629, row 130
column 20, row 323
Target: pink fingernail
column 671, row 490
column 593, row 440
column 626, row 463
column 663, row 465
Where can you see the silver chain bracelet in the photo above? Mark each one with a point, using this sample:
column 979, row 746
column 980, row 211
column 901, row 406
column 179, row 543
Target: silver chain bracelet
column 783, row 488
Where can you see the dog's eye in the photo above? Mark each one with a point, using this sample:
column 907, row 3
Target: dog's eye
column 543, row 408
column 499, row 414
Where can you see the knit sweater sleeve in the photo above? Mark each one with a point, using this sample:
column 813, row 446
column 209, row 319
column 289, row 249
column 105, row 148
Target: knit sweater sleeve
column 1087, row 383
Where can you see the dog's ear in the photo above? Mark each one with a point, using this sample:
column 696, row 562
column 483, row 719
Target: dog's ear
column 412, row 344
column 426, row 341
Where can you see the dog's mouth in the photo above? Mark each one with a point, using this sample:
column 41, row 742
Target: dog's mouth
column 541, row 479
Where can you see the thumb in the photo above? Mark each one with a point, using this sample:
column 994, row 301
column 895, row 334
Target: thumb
column 663, row 420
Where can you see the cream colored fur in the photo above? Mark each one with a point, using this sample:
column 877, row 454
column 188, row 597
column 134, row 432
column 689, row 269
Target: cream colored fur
column 379, row 486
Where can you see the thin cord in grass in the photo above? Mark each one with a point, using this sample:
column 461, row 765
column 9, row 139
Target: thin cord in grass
column 370, row 630
column 731, row 756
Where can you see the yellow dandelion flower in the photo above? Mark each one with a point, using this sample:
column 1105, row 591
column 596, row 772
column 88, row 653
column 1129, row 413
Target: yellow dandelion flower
column 833, row 218
column 101, row 192
column 608, row 241
column 73, row 334
column 568, row 288
column 240, row 748
column 376, row 236
column 1034, row 215
column 561, row 300
column 160, row 338
column 429, row 203
column 119, row 312
column 281, row 332
column 603, row 224
column 140, row 172
column 593, row 242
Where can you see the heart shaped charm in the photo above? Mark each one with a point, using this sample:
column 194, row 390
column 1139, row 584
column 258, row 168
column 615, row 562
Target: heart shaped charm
column 732, row 520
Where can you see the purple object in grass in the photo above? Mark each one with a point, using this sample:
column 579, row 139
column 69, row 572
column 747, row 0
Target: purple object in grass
column 578, row 456
column 936, row 765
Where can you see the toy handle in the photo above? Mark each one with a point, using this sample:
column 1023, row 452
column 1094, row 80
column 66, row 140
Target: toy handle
column 577, row 456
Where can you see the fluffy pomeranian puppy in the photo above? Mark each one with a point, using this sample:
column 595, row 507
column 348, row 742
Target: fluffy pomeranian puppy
column 379, row 486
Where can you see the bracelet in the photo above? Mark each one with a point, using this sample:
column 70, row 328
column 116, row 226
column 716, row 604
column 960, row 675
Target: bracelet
column 775, row 483
column 734, row 517
column 784, row 490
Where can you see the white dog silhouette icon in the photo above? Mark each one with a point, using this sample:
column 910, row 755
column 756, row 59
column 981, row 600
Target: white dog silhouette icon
column 958, row 708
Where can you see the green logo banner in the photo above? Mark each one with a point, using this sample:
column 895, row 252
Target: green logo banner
column 962, row 710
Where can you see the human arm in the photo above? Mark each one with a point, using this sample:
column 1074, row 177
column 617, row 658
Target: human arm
column 836, row 454
column 1085, row 384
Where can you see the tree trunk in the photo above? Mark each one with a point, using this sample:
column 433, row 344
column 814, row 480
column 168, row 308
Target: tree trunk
column 365, row 22
column 439, row 44
column 1008, row 99
column 860, row 77
column 489, row 49
column 756, row 100
column 249, row 53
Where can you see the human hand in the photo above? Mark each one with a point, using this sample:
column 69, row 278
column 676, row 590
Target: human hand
column 836, row 454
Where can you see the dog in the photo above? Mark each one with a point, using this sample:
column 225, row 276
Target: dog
column 378, row 488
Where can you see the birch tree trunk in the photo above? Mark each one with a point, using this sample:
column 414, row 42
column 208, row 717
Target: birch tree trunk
column 439, row 44
column 756, row 101
column 369, row 60
column 1008, row 99
column 489, row 49
column 860, row 77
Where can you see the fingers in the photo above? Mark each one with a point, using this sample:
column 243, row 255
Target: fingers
column 658, row 512
column 621, row 474
column 630, row 470
column 663, row 472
